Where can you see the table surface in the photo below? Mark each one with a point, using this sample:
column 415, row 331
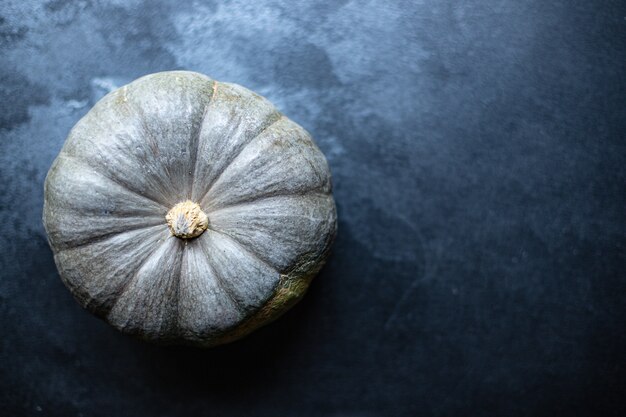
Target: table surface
column 479, row 167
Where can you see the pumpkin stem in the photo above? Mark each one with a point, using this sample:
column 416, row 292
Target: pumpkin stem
column 186, row 220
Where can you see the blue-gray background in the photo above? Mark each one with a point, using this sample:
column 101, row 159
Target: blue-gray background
column 479, row 163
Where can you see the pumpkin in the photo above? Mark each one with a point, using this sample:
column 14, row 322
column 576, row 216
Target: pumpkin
column 185, row 210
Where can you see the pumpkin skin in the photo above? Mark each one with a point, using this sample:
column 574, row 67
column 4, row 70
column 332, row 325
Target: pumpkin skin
column 132, row 253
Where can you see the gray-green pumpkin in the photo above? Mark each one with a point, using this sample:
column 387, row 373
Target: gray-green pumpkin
column 186, row 210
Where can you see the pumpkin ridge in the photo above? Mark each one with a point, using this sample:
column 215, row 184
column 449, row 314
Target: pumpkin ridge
column 318, row 190
column 136, row 274
column 176, row 298
column 164, row 186
column 183, row 271
column 91, row 299
column 173, row 192
column 236, row 206
column 221, row 281
column 234, row 157
column 102, row 238
column 65, row 154
column 145, row 316
column 196, row 137
column 265, row 174
column 311, row 164
column 256, row 256
column 246, row 249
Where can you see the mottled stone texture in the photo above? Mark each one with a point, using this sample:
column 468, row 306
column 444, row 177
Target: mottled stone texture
column 477, row 152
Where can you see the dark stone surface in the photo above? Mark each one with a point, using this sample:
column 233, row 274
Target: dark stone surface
column 479, row 166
